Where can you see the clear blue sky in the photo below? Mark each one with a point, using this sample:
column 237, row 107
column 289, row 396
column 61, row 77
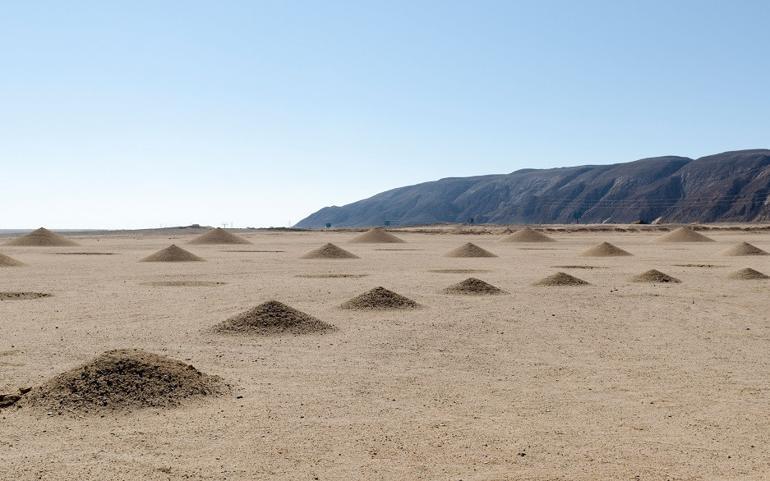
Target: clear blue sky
column 142, row 113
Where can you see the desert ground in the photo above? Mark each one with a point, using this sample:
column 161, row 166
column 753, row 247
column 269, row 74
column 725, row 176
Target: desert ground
column 616, row 380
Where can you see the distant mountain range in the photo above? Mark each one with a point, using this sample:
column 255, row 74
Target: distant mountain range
column 732, row 186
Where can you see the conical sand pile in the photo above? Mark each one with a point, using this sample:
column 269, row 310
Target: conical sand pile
column 469, row 250
column 42, row 238
column 744, row 249
column 270, row 318
column 748, row 274
column 219, row 236
column 684, row 234
column 377, row 235
column 329, row 251
column 655, row 276
column 380, row 298
column 6, row 261
column 561, row 279
column 473, row 286
column 605, row 249
column 125, row 379
column 172, row 253
column 527, row 235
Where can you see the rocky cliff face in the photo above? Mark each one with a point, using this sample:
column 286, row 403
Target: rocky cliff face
column 732, row 186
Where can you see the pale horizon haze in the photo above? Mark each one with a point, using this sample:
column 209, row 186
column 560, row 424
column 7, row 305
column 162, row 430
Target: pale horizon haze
column 145, row 114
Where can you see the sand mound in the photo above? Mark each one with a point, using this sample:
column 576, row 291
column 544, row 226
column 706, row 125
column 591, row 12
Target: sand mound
column 172, row 253
column 6, row 261
column 744, row 249
column 469, row 250
column 41, row 238
column 605, row 249
column 561, row 279
column 329, row 251
column 272, row 317
column 684, row 234
column 527, row 235
column 124, row 379
column 380, row 298
column 219, row 236
column 473, row 286
column 21, row 296
column 655, row 276
column 748, row 274
column 377, row 235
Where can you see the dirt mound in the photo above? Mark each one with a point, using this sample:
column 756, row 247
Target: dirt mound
column 377, row 235
column 469, row 250
column 605, row 249
column 561, row 279
column 748, row 274
column 172, row 253
column 380, row 298
column 329, row 251
column 684, row 234
column 41, row 238
column 219, row 236
column 6, row 261
column 21, row 296
column 654, row 275
column 124, row 379
column 744, row 249
column 270, row 318
column 527, row 235
column 473, row 286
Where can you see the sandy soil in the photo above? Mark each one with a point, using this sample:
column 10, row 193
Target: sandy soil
column 612, row 381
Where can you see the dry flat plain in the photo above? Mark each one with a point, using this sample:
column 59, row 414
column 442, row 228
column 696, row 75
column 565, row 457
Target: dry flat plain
column 615, row 380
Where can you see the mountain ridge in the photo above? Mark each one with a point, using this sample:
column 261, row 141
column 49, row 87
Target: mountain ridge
column 730, row 186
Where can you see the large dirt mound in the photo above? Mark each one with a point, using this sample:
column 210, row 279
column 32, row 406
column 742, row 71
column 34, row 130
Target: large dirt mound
column 380, row 298
column 41, row 238
column 124, row 379
column 329, row 251
column 6, row 261
column 469, row 250
column 655, row 276
column 172, row 253
column 270, row 318
column 527, row 235
column 744, row 249
column 474, row 286
column 561, row 279
column 684, row 234
column 605, row 249
column 748, row 274
column 219, row 236
column 377, row 235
